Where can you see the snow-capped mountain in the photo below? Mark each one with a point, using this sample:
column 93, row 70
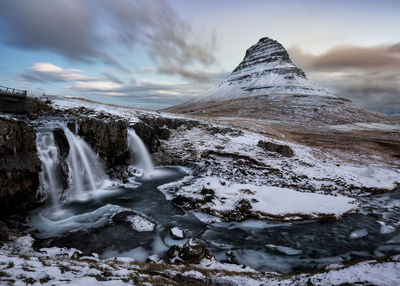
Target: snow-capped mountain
column 268, row 85
column 265, row 70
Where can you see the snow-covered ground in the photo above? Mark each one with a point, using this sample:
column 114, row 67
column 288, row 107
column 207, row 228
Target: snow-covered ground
column 265, row 201
column 129, row 114
column 21, row 265
column 235, row 156
column 230, row 163
column 229, row 155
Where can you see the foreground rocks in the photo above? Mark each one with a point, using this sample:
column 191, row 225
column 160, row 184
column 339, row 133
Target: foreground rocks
column 19, row 166
column 192, row 252
column 284, row 150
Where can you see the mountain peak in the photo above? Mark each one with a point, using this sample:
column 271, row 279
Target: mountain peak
column 266, row 69
column 269, row 55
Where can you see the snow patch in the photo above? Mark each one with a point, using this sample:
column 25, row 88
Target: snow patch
column 140, row 223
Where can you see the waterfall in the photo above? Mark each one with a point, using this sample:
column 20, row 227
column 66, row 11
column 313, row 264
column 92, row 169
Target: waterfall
column 86, row 171
column 139, row 154
column 48, row 154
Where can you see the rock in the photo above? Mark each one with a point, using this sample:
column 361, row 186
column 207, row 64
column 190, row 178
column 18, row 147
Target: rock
column 72, row 126
column 244, row 206
column 154, row 259
column 192, row 252
column 208, row 194
column 242, row 211
column 284, row 150
column 177, row 233
column 230, row 258
column 120, row 231
column 19, row 166
column 121, row 217
column 107, row 138
column 135, row 221
column 11, row 104
column 76, row 255
column 172, row 254
column 62, row 142
column 149, row 135
column 63, row 151
column 184, row 202
column 171, row 123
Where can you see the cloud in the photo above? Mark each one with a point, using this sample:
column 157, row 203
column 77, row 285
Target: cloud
column 156, row 94
column 48, row 72
column 195, row 75
column 90, row 30
column 350, row 57
column 146, row 93
column 44, row 72
column 95, row 86
column 369, row 76
column 64, row 27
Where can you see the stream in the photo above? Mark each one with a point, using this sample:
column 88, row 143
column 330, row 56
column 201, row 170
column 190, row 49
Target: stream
column 284, row 247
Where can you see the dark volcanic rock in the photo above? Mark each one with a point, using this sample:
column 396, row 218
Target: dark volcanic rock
column 192, row 252
column 11, row 104
column 119, row 232
column 242, row 211
column 284, row 150
column 107, row 138
column 171, row 123
column 62, row 142
column 149, row 135
column 63, row 151
column 19, row 166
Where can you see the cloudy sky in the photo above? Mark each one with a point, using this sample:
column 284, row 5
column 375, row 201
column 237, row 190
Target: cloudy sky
column 156, row 53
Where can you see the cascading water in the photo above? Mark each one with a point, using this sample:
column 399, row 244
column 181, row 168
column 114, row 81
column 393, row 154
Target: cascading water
column 86, row 171
column 48, row 154
column 139, row 154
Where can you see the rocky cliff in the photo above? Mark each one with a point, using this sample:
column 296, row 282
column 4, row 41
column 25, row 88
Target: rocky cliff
column 19, row 166
column 107, row 138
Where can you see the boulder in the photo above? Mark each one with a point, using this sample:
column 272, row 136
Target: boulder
column 284, row 150
column 192, row 252
column 19, row 166
column 137, row 222
column 242, row 211
column 177, row 233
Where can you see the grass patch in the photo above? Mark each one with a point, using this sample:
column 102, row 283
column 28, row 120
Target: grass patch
column 44, row 261
column 4, row 274
column 98, row 277
column 23, row 256
column 29, row 280
column 64, row 268
column 45, row 279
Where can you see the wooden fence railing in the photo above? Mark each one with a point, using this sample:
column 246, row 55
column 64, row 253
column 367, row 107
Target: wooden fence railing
column 9, row 91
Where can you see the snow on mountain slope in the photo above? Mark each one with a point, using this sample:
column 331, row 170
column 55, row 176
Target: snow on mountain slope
column 267, row 85
column 265, row 69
